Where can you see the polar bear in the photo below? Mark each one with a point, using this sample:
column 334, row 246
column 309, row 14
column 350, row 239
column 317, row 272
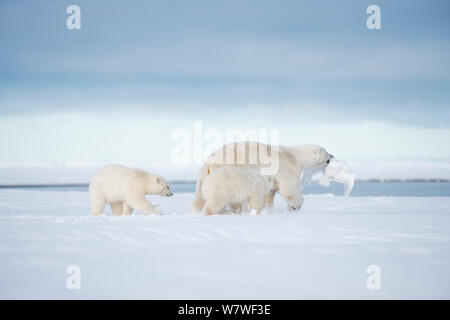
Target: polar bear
column 234, row 186
column 125, row 189
column 292, row 163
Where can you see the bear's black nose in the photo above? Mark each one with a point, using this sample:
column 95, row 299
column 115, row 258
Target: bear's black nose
column 331, row 157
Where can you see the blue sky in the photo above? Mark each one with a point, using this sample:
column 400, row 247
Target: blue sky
column 115, row 90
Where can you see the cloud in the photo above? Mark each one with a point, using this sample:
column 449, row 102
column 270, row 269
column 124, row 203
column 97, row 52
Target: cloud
column 281, row 64
column 309, row 103
column 243, row 60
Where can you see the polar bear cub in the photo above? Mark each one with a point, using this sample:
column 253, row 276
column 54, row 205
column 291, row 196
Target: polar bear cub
column 234, row 186
column 125, row 189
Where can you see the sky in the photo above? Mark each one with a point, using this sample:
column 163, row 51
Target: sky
column 118, row 88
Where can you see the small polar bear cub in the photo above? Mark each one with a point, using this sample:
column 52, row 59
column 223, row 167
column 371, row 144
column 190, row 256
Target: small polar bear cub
column 235, row 186
column 125, row 189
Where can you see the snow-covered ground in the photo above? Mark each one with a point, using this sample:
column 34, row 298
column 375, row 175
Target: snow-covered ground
column 322, row 252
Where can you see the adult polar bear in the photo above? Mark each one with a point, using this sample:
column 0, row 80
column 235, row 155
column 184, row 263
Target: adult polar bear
column 285, row 164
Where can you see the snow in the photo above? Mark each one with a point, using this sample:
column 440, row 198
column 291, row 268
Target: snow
column 321, row 252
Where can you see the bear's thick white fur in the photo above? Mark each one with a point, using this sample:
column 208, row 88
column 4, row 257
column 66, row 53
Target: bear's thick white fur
column 125, row 189
column 235, row 187
column 293, row 161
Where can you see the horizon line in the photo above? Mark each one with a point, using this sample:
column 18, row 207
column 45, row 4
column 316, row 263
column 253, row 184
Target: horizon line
column 67, row 185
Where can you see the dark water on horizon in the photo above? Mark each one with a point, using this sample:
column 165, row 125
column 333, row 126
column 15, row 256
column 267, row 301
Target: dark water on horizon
column 398, row 189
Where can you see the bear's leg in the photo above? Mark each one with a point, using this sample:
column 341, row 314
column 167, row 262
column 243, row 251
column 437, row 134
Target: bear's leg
column 141, row 204
column 223, row 210
column 291, row 193
column 256, row 203
column 236, row 208
column 268, row 199
column 116, row 208
column 98, row 205
column 198, row 202
column 214, row 207
column 126, row 208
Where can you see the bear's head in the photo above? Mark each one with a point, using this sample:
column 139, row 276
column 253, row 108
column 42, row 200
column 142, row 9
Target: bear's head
column 314, row 156
column 269, row 184
column 161, row 187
